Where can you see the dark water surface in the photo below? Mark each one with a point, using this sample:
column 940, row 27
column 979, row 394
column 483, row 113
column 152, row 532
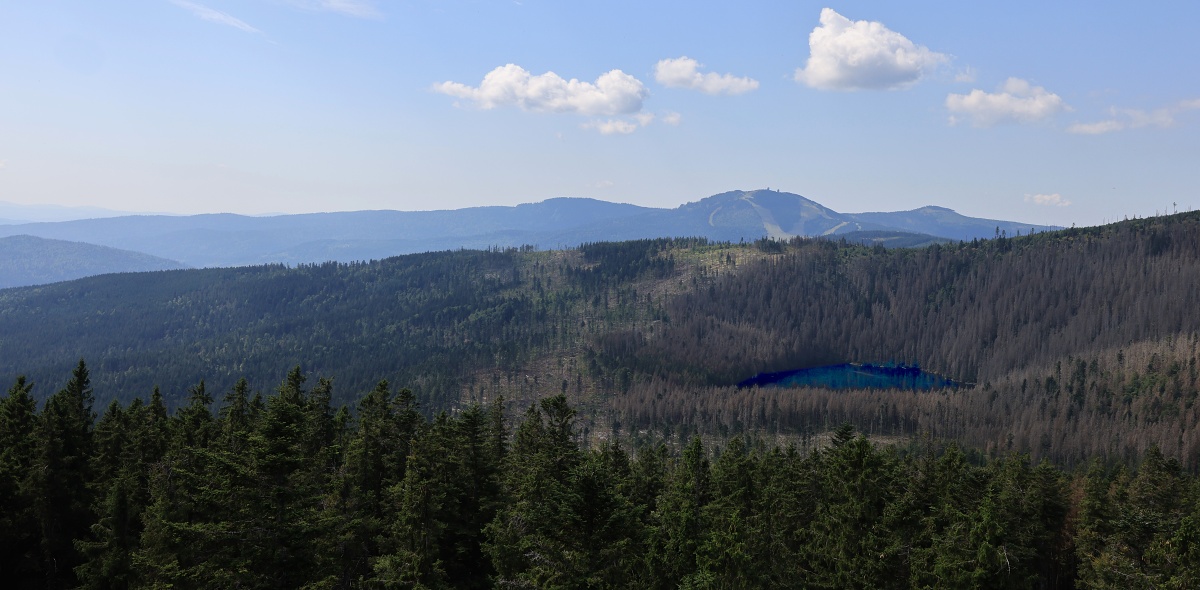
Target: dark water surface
column 854, row 376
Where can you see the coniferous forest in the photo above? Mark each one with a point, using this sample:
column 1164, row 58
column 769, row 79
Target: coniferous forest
column 287, row 491
column 569, row 419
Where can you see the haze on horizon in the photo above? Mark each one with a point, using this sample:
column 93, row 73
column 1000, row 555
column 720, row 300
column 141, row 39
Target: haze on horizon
column 1071, row 112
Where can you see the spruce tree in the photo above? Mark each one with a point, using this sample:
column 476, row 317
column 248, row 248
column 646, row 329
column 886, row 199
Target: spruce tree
column 727, row 557
column 278, row 509
column 110, row 542
column 20, row 557
column 373, row 464
column 61, row 474
column 426, row 502
column 530, row 541
column 679, row 521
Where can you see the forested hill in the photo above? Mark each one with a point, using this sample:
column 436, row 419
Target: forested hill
column 1081, row 343
column 424, row 320
column 29, row 260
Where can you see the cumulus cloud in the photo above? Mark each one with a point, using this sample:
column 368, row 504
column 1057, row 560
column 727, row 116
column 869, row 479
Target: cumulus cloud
column 214, row 16
column 684, row 72
column 1051, row 200
column 1015, row 101
column 671, row 118
column 357, row 8
column 1122, row 119
column 863, row 55
column 613, row 93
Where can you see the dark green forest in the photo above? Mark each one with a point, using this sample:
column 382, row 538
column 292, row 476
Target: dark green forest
column 288, row 490
column 1078, row 344
column 569, row 419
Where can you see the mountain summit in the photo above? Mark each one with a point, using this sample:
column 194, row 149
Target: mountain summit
column 235, row 240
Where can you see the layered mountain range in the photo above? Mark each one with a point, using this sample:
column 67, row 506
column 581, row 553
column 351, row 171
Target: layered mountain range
column 217, row 240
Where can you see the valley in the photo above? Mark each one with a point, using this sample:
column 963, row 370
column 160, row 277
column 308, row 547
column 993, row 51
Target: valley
column 653, row 335
column 437, row 418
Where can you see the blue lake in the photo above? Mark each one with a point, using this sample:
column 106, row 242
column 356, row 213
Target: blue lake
column 854, row 376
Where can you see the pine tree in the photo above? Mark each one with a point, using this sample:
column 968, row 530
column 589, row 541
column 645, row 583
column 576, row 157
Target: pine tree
column 530, row 542
column 426, row 502
column 193, row 424
column 786, row 504
column 151, row 431
column 235, row 419
column 20, row 558
column 114, row 539
column 110, row 439
column 848, row 539
column 285, row 498
column 608, row 537
column 61, row 475
column 480, row 458
column 374, row 463
column 1013, row 531
column 931, row 519
column 108, row 547
column 728, row 555
column 679, row 521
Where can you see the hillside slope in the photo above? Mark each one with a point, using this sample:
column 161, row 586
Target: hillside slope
column 28, row 260
column 1082, row 342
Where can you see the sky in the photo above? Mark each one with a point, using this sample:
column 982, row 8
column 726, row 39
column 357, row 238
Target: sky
column 1069, row 112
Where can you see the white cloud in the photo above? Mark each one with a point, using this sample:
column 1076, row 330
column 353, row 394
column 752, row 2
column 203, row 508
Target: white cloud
column 683, row 72
column 604, row 184
column 863, row 55
column 612, row 126
column 613, row 93
column 214, row 16
column 632, row 123
column 1015, row 101
column 965, row 76
column 1122, row 119
column 1051, row 200
column 357, row 8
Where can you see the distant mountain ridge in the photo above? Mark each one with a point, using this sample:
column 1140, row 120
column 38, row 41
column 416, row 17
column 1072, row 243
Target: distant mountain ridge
column 234, row 240
column 28, row 260
column 20, row 213
column 946, row 223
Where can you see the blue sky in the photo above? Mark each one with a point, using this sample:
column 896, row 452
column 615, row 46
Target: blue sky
column 1061, row 112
